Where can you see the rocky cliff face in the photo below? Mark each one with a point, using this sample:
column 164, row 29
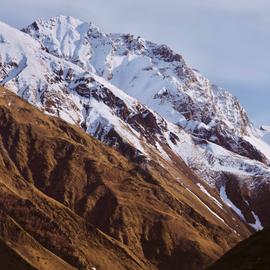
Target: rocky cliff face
column 156, row 76
column 142, row 99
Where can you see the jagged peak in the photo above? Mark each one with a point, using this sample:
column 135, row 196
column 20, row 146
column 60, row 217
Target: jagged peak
column 64, row 21
column 59, row 25
column 84, row 44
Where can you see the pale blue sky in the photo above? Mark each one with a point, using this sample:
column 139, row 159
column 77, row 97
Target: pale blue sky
column 227, row 40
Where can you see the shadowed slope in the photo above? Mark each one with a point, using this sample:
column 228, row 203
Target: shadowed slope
column 11, row 260
column 251, row 254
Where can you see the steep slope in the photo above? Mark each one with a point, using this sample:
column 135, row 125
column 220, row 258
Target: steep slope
column 60, row 69
column 19, row 250
column 38, row 228
column 251, row 254
column 11, row 260
column 71, row 202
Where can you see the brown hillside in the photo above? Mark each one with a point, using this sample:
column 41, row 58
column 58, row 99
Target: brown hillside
column 76, row 204
column 11, row 260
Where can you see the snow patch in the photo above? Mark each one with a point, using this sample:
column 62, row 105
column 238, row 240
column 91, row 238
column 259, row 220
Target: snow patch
column 202, row 188
column 209, row 209
column 162, row 152
column 226, row 200
column 257, row 225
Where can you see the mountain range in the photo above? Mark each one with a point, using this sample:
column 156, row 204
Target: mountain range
column 183, row 178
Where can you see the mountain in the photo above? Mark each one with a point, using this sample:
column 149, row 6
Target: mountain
column 252, row 254
column 157, row 77
column 36, row 154
column 143, row 100
column 69, row 202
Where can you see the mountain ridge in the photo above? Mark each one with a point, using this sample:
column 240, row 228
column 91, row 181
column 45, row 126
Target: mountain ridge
column 226, row 158
column 68, row 194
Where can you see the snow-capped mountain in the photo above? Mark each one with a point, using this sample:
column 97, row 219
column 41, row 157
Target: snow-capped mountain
column 154, row 75
column 142, row 99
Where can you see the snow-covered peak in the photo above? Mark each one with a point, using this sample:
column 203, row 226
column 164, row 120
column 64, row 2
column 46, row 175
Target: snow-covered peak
column 60, row 19
column 65, row 36
column 64, row 23
column 156, row 76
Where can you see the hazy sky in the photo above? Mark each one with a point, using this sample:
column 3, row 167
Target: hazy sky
column 227, row 40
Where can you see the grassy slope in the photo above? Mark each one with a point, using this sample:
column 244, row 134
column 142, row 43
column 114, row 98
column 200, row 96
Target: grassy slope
column 89, row 206
column 11, row 260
